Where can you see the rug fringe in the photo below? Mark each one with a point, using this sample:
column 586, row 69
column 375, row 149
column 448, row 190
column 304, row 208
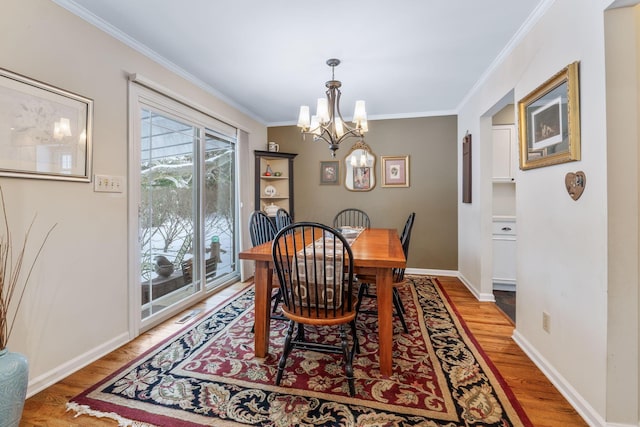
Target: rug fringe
column 122, row 422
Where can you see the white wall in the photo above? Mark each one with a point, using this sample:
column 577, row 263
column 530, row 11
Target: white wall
column 622, row 30
column 562, row 243
column 76, row 308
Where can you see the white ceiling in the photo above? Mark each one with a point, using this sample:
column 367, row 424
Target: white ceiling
column 405, row 58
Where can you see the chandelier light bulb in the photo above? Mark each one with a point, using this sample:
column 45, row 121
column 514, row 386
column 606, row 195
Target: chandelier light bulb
column 359, row 114
column 339, row 127
column 322, row 110
column 303, row 117
column 314, row 128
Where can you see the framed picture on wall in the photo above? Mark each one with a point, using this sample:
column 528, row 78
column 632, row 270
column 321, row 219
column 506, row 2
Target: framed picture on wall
column 395, row 171
column 549, row 120
column 330, row 173
column 49, row 130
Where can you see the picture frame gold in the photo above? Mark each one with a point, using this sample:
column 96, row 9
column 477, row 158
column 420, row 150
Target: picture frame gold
column 549, row 121
column 395, row 171
column 329, row 173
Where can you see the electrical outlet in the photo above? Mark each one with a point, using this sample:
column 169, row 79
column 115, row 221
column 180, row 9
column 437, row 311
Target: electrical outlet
column 546, row 322
column 108, row 184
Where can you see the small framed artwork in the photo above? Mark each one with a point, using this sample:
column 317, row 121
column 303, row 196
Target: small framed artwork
column 48, row 130
column 395, row 171
column 330, row 173
column 549, row 119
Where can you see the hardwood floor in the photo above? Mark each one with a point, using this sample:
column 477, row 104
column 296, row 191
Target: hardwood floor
column 543, row 404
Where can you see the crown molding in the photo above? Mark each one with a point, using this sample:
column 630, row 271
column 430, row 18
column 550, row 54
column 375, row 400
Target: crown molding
column 114, row 32
column 524, row 29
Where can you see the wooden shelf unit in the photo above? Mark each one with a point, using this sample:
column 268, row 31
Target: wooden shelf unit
column 279, row 162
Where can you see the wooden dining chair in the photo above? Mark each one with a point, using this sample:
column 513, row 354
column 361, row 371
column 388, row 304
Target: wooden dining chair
column 283, row 218
column 315, row 271
column 351, row 217
column 398, row 277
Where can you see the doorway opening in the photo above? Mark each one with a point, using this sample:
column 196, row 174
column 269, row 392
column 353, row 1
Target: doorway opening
column 504, row 229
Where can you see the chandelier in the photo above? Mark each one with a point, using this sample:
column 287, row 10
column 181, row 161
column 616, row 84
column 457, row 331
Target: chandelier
column 328, row 124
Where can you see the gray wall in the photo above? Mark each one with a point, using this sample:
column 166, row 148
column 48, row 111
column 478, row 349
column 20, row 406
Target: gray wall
column 431, row 145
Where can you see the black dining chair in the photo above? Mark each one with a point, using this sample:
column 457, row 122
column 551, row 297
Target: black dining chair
column 398, row 277
column 283, row 218
column 315, row 272
column 351, row 217
column 262, row 230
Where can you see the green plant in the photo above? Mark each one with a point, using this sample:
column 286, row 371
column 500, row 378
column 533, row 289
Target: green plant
column 11, row 287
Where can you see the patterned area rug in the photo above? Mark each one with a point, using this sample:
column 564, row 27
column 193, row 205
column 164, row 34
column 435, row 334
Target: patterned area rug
column 207, row 375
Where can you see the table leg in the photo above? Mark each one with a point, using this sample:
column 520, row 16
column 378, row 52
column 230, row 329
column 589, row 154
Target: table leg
column 263, row 277
column 384, row 287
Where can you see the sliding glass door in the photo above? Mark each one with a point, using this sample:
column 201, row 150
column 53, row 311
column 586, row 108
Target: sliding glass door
column 220, row 213
column 187, row 210
column 167, row 217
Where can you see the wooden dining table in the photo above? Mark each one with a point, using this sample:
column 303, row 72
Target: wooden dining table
column 376, row 252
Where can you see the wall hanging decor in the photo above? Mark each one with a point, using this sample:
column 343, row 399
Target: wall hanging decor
column 549, row 121
column 48, row 130
column 575, row 182
column 466, row 168
column 395, row 171
column 330, row 173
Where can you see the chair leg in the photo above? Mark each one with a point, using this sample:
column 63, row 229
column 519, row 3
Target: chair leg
column 397, row 302
column 285, row 352
column 356, row 342
column 348, row 359
column 277, row 298
column 397, row 294
column 361, row 291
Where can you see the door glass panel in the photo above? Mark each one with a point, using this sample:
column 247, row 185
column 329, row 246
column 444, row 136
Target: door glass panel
column 219, row 209
column 167, row 223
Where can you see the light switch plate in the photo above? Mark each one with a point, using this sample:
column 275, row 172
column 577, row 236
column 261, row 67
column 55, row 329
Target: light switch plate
column 108, row 184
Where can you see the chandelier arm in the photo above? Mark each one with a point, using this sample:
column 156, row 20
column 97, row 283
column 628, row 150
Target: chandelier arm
column 333, row 97
column 352, row 133
column 336, row 111
column 327, row 136
column 322, row 137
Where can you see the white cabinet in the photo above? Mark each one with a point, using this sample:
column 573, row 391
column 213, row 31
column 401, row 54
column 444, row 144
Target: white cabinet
column 504, row 153
column 504, row 253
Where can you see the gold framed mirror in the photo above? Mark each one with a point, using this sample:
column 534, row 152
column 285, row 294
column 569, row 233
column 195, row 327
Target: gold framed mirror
column 360, row 168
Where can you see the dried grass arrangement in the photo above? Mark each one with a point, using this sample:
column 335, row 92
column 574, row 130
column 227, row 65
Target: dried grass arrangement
column 11, row 285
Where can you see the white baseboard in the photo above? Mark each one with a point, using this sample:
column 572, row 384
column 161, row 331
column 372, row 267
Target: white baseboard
column 501, row 286
column 429, row 272
column 586, row 411
column 47, row 379
column 479, row 296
